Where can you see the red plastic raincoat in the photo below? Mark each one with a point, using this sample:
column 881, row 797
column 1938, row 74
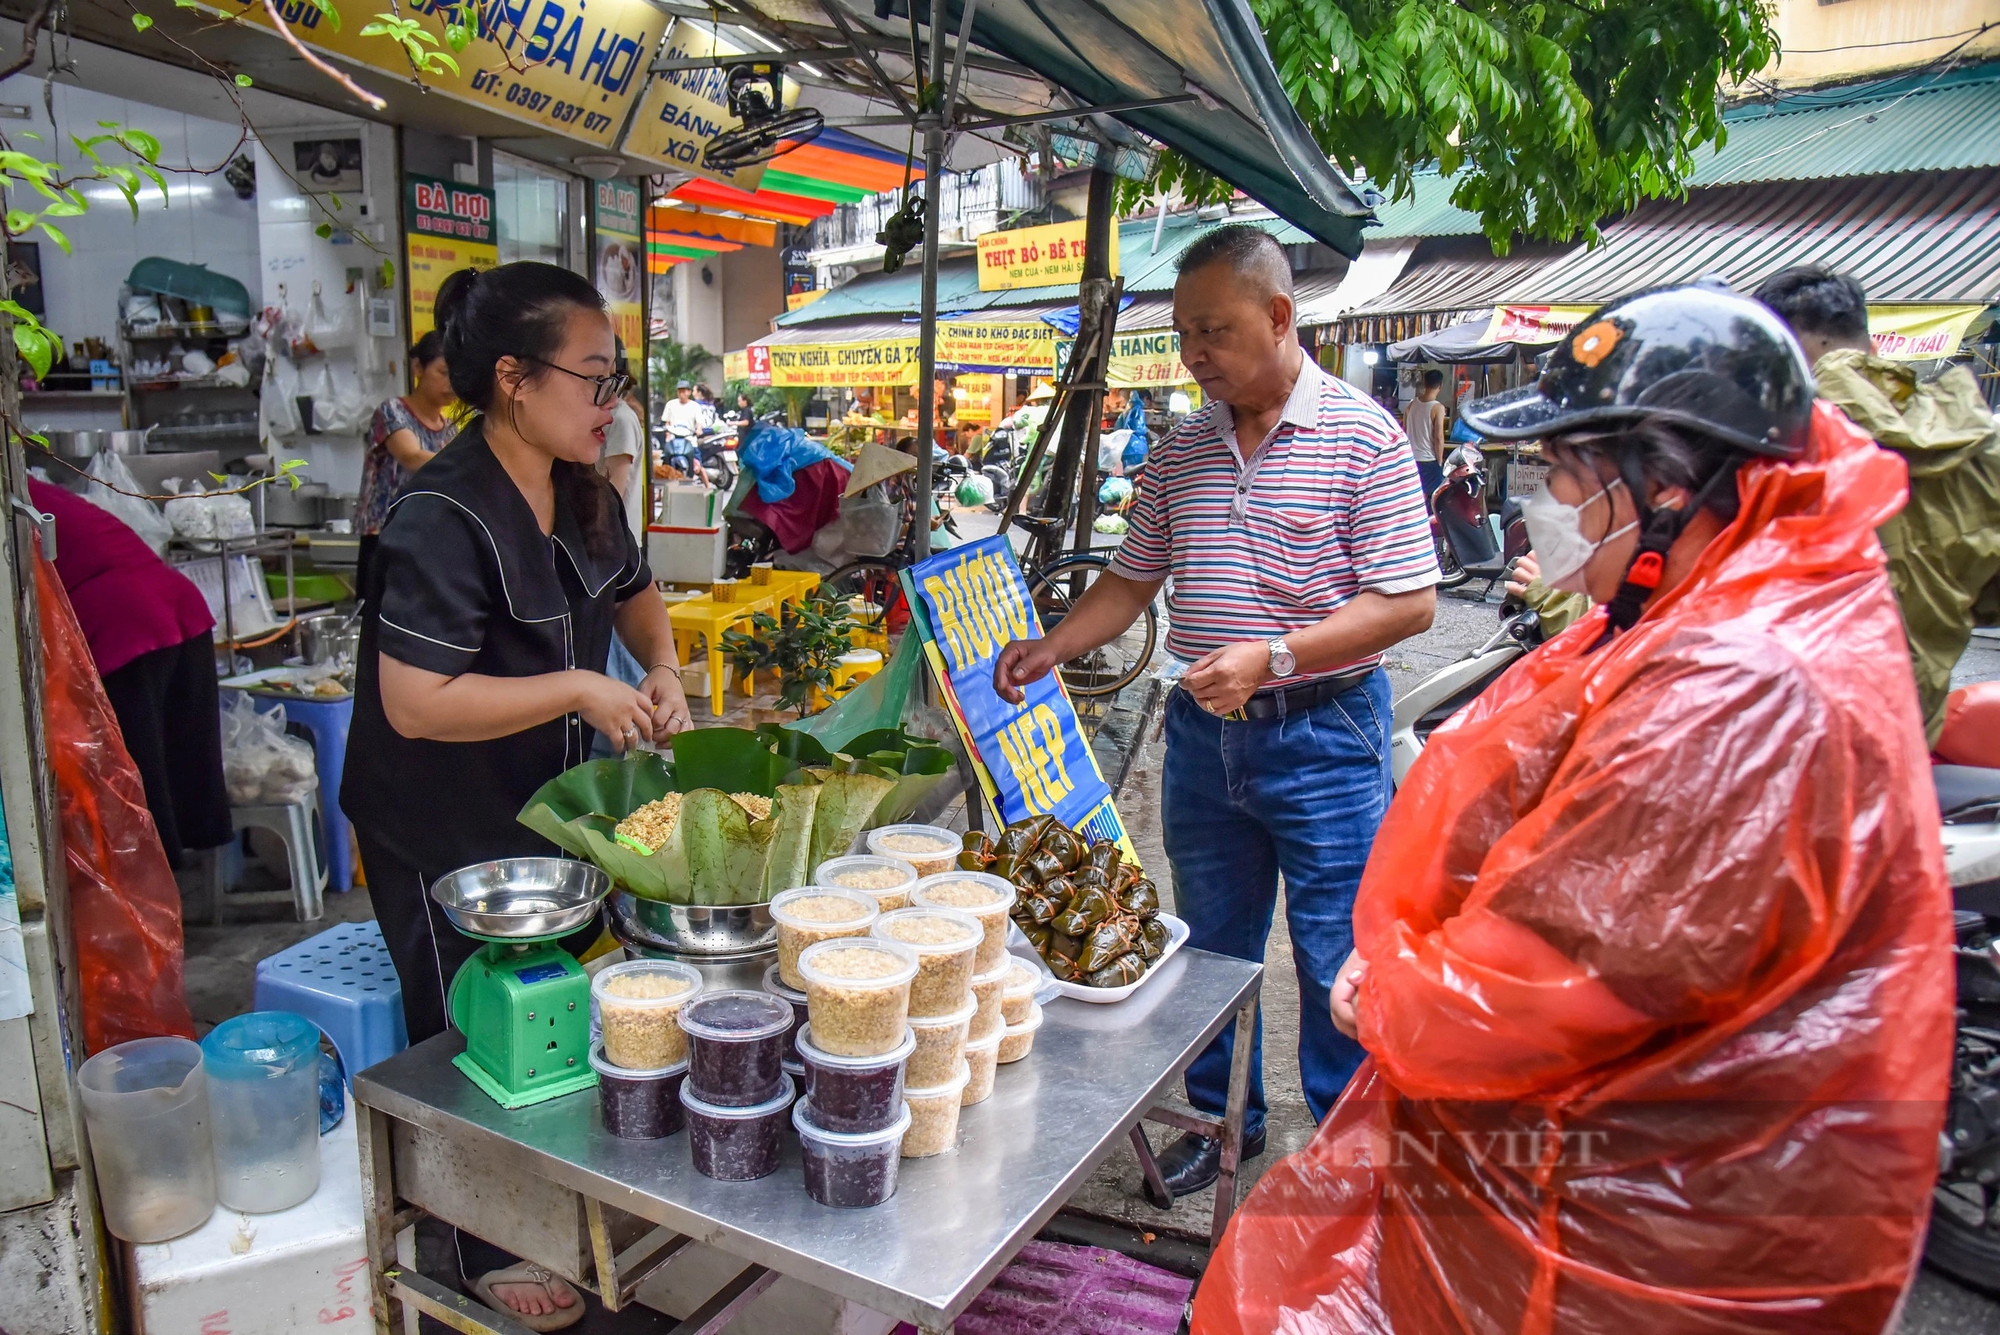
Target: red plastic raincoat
column 1660, row 995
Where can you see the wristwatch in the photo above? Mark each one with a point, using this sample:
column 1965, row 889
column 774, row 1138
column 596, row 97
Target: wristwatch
column 1282, row 662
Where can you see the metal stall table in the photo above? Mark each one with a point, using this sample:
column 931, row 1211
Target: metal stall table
column 548, row 1183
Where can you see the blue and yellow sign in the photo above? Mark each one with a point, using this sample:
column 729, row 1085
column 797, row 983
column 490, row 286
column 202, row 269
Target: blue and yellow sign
column 1033, row 757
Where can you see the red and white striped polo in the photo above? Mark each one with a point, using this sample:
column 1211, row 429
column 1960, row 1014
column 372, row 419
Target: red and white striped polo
column 1330, row 504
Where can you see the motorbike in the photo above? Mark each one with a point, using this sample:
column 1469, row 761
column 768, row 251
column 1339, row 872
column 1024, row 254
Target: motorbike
column 1000, row 458
column 1437, row 697
column 1964, row 1236
column 710, row 454
column 1470, row 543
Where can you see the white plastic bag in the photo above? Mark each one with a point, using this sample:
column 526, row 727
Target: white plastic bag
column 142, row 515
column 329, row 328
column 195, row 514
column 262, row 765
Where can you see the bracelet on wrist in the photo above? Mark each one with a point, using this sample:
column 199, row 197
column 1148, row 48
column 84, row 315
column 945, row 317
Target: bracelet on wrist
column 665, row 667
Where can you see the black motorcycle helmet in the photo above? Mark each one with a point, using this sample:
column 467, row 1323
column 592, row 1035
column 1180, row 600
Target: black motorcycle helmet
column 1700, row 358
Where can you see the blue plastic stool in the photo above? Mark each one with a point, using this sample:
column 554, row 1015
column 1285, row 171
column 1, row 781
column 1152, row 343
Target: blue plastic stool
column 327, row 721
column 343, row 981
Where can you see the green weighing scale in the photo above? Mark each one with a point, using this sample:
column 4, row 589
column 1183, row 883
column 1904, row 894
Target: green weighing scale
column 522, row 1002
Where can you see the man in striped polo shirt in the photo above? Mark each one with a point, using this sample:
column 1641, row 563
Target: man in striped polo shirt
column 1289, row 519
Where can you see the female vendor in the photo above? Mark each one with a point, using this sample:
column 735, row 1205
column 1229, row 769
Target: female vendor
column 502, row 571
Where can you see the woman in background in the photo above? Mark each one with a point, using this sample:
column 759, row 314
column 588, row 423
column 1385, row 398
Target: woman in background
column 404, row 435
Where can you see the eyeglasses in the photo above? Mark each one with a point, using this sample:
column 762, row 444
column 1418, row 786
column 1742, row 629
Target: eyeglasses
column 609, row 389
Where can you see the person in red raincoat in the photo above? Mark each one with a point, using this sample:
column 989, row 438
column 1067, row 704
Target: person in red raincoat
column 1653, row 950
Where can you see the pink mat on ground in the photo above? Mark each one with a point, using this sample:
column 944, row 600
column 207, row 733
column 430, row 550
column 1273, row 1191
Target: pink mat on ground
column 1053, row 1289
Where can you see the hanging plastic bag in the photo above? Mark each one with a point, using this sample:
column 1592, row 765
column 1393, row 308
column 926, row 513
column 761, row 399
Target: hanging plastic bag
column 262, row 764
column 119, row 496
column 342, row 404
column 329, row 326
column 1659, row 987
column 124, row 906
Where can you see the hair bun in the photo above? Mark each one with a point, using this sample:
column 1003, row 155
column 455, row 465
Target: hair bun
column 453, row 295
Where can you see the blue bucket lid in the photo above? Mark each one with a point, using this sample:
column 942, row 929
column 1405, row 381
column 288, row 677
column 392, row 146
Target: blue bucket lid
column 252, row 1044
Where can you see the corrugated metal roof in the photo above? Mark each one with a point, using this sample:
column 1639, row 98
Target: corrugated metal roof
column 1917, row 237
column 1904, row 125
column 1901, row 125
column 1145, row 270
column 1428, row 211
column 1449, row 274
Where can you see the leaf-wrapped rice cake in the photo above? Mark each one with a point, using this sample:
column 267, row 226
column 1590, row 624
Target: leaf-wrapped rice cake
column 1107, row 941
column 1127, row 968
column 1089, row 908
column 1141, row 899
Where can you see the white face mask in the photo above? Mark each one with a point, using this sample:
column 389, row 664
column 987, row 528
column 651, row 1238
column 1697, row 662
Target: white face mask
column 1555, row 532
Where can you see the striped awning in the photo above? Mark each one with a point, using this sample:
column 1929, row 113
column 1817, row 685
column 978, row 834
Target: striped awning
column 838, row 166
column 1445, row 281
column 1913, row 237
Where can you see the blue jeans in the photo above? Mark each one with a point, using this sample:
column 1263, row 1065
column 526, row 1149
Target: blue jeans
column 1301, row 795
column 1431, row 474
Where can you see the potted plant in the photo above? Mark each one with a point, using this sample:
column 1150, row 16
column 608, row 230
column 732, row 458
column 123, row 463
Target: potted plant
column 802, row 648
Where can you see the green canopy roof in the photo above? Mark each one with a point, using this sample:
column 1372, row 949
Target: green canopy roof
column 1144, row 269
column 1228, row 112
column 1909, row 124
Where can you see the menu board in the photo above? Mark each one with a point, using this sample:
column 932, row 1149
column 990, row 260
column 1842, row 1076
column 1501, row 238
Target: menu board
column 619, row 259
column 1032, row 758
column 451, row 227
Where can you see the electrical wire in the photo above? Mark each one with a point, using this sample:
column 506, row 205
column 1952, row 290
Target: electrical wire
column 1871, row 46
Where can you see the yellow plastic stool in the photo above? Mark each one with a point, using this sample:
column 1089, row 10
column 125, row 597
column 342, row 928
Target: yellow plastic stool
column 705, row 619
column 853, row 668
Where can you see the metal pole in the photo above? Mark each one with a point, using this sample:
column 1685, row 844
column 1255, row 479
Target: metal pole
column 1097, row 310
column 932, row 124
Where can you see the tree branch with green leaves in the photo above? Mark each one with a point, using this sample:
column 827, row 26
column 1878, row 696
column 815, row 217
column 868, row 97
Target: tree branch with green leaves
column 1546, row 116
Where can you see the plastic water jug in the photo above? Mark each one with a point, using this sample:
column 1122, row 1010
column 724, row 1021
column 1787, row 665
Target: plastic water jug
column 263, row 1081
column 146, row 1106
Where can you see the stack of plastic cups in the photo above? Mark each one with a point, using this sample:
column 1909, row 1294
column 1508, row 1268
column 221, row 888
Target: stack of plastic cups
column 942, row 1008
column 855, row 1053
column 736, row 1092
column 641, row 1056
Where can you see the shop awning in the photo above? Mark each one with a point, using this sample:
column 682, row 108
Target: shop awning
column 1144, row 269
column 1191, row 74
column 838, row 166
column 771, row 204
column 1914, row 237
column 1457, row 344
column 1230, row 112
column 1446, row 280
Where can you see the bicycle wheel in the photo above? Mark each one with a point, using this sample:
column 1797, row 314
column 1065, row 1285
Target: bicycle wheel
column 875, row 597
column 1110, row 669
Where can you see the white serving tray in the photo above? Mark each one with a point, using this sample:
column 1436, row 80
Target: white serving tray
column 1052, row 986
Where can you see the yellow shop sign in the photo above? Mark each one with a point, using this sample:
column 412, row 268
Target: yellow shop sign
column 1036, row 256
column 551, row 63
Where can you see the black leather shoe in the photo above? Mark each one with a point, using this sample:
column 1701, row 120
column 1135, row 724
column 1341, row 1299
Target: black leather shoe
column 1194, row 1162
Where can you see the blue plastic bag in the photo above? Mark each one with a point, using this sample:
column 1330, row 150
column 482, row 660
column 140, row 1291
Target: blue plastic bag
column 773, row 453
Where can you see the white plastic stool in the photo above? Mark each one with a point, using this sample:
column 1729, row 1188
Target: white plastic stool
column 297, row 824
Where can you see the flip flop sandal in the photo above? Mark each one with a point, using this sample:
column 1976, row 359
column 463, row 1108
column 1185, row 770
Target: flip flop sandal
column 527, row 1272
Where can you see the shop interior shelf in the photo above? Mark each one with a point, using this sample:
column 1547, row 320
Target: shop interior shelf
column 187, row 382
column 167, row 329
